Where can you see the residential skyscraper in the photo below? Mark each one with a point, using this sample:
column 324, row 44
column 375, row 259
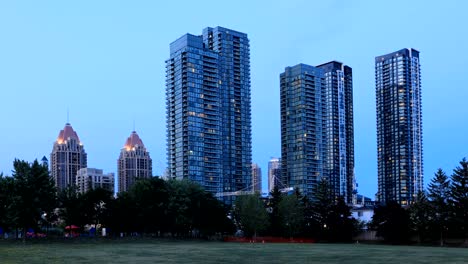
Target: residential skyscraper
column 67, row 157
column 208, row 110
column 302, row 127
column 134, row 162
column 89, row 178
column 399, row 126
column 256, row 178
column 317, row 132
column 274, row 173
column 339, row 129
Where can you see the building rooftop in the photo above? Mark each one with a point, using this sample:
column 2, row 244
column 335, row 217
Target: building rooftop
column 67, row 133
column 132, row 141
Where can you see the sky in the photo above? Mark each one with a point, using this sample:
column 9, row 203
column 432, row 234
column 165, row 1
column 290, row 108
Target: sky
column 104, row 62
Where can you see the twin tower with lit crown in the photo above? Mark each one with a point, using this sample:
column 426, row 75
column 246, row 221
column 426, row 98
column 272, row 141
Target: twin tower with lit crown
column 69, row 164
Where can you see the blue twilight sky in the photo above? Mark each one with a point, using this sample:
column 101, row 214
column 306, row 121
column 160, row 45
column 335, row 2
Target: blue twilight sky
column 104, row 60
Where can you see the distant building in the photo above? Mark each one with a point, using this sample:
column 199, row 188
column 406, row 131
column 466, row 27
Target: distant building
column 134, row 163
column 256, row 178
column 208, row 110
column 363, row 213
column 89, row 178
column 67, row 157
column 399, row 126
column 274, row 173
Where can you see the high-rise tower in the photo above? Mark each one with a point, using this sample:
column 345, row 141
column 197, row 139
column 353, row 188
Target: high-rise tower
column 302, row 127
column 67, row 157
column 208, row 110
column 339, row 129
column 256, row 178
column 317, row 132
column 399, row 126
column 274, row 173
column 134, row 163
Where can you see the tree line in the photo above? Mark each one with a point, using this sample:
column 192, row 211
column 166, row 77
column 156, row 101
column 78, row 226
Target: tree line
column 156, row 207
column 437, row 215
column 29, row 201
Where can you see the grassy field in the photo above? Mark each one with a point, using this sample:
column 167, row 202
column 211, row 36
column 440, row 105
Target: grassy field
column 149, row 251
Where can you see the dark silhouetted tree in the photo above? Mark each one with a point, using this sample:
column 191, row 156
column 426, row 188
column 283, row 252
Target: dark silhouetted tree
column 459, row 197
column 438, row 194
column 391, row 222
column 420, row 213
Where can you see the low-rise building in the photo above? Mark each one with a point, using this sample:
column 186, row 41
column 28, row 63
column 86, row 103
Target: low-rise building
column 90, row 178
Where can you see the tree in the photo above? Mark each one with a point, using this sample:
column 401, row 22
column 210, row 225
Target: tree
column 341, row 226
column 291, row 214
column 251, row 214
column 95, row 206
column 391, row 222
column 321, row 206
column 72, row 207
column 33, row 194
column 420, row 213
column 275, row 228
column 459, row 197
column 6, row 187
column 438, row 194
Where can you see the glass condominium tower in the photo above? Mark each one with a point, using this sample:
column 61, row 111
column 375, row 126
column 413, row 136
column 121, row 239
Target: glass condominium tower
column 399, row 126
column 302, row 127
column 339, row 129
column 208, row 110
column 317, row 132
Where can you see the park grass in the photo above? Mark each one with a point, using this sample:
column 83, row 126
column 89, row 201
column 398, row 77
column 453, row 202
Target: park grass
column 161, row 251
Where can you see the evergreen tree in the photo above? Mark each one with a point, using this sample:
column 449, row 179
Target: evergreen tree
column 291, row 214
column 391, row 222
column 274, row 215
column 341, row 226
column 420, row 216
column 459, row 197
column 438, row 194
column 321, row 206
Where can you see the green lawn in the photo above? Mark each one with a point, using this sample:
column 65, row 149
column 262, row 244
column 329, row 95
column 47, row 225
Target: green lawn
column 154, row 251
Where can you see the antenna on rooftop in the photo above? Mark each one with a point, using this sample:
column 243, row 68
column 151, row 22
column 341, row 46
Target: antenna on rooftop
column 68, row 116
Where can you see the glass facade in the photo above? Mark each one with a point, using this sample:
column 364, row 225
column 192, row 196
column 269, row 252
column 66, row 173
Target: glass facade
column 302, row 91
column 208, row 110
column 399, row 126
column 339, row 130
column 317, row 132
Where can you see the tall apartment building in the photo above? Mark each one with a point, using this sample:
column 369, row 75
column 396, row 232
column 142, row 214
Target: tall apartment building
column 134, row 162
column 399, row 126
column 302, row 93
column 89, row 178
column 274, row 173
column 317, row 132
column 208, row 110
column 67, row 157
column 256, row 178
column 339, row 130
